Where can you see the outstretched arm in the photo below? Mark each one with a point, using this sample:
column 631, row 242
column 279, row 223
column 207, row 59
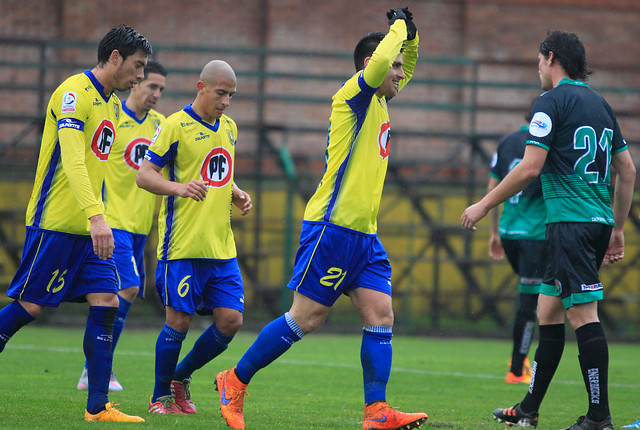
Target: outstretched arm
column 518, row 178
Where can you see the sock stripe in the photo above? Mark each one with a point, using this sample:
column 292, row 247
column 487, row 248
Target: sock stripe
column 174, row 334
column 295, row 328
column 378, row 329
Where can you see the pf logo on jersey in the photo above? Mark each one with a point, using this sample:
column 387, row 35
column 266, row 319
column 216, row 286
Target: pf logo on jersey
column 102, row 140
column 217, row 168
column 383, row 139
column 134, row 152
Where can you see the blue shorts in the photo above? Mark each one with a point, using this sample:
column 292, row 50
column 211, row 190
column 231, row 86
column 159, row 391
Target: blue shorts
column 128, row 255
column 199, row 285
column 59, row 267
column 332, row 260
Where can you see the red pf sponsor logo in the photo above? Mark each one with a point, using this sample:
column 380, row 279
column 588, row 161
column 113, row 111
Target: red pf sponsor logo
column 134, row 152
column 102, row 140
column 383, row 139
column 217, row 168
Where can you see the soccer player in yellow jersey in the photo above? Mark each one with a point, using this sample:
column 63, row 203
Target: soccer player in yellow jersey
column 340, row 252
column 68, row 248
column 129, row 209
column 191, row 164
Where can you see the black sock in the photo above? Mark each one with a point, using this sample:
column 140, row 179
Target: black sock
column 523, row 329
column 546, row 362
column 594, row 362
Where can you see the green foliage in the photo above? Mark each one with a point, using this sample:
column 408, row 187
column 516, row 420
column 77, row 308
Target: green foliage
column 316, row 385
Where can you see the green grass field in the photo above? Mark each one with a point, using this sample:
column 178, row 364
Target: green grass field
column 316, row 385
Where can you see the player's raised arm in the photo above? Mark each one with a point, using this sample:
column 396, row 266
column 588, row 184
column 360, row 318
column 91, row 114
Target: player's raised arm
column 388, row 49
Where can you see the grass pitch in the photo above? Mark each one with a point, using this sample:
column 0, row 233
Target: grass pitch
column 315, row 385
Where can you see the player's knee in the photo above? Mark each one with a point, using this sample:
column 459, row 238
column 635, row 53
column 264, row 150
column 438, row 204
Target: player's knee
column 129, row 294
column 32, row 309
column 228, row 321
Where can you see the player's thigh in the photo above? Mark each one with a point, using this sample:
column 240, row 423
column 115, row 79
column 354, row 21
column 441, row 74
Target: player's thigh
column 180, row 285
column 128, row 255
column 374, row 307
column 372, row 297
column 328, row 262
column 574, row 253
column 57, row 267
column 223, row 289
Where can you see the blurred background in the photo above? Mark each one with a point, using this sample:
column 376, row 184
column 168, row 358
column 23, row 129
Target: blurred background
column 474, row 82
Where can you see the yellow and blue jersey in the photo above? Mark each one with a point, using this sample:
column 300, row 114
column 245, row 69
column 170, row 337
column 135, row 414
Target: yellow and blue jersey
column 79, row 132
column 128, row 207
column 358, row 141
column 188, row 148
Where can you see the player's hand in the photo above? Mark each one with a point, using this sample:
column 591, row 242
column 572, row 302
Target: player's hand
column 195, row 190
column 472, row 215
column 496, row 251
column 406, row 15
column 242, row 200
column 101, row 236
column 615, row 251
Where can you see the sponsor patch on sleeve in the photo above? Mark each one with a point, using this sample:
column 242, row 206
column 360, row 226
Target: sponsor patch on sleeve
column 73, row 123
column 69, row 102
column 540, row 125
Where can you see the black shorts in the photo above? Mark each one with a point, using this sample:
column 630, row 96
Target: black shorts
column 527, row 259
column 575, row 252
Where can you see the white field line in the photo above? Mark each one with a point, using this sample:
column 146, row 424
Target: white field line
column 314, row 363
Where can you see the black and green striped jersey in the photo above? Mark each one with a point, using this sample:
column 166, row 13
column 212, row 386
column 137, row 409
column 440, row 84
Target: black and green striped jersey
column 579, row 130
column 523, row 215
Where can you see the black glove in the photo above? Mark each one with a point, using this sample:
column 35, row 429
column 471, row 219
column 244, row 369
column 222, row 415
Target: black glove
column 407, row 16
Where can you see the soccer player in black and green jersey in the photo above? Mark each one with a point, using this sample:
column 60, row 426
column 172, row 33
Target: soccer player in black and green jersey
column 574, row 138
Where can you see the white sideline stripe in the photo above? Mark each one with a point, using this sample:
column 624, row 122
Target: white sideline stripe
column 316, row 363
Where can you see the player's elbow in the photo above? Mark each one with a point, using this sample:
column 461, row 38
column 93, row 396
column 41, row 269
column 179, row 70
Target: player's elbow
column 141, row 180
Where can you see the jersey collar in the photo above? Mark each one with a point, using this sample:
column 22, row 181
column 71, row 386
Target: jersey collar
column 99, row 87
column 189, row 110
column 572, row 82
column 132, row 114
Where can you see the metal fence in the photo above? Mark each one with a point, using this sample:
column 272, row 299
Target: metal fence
column 446, row 125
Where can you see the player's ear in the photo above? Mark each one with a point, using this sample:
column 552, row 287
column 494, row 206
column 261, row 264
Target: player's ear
column 550, row 57
column 366, row 61
column 115, row 57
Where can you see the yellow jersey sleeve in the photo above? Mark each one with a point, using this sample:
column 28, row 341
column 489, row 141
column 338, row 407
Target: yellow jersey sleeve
column 78, row 136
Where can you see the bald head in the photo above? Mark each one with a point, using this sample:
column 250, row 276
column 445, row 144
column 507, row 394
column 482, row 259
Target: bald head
column 216, row 71
column 216, row 86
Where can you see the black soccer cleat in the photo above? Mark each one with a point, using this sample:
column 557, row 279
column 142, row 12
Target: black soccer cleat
column 585, row 423
column 515, row 417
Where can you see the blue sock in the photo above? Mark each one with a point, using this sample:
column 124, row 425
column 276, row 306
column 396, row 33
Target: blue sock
column 12, row 318
column 97, row 349
column 375, row 354
column 168, row 348
column 273, row 341
column 118, row 324
column 209, row 345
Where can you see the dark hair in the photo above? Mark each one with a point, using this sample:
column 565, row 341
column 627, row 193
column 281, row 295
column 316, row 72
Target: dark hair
column 569, row 51
column 126, row 40
column 154, row 67
column 365, row 48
